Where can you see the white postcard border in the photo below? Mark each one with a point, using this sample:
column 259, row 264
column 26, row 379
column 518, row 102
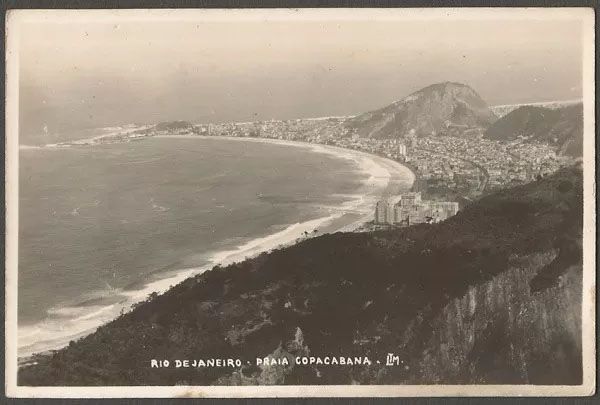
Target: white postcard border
column 16, row 17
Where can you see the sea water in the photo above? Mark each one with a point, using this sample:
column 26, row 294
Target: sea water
column 101, row 227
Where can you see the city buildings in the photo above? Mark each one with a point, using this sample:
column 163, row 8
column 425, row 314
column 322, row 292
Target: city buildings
column 457, row 164
column 411, row 209
column 382, row 212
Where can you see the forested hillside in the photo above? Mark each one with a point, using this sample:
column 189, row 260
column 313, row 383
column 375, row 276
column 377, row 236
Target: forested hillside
column 491, row 295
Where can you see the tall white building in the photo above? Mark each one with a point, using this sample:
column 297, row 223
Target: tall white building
column 402, row 149
column 382, row 212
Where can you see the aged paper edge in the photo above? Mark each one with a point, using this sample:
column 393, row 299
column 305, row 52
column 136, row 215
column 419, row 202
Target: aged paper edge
column 16, row 17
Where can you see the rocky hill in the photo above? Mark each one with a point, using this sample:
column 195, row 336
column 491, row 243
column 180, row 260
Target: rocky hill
column 437, row 108
column 559, row 127
column 502, row 110
column 490, row 296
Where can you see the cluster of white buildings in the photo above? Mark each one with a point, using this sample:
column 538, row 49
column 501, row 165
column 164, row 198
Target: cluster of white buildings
column 409, row 209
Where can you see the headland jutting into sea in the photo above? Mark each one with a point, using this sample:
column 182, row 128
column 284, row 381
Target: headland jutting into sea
column 451, row 167
column 379, row 177
column 446, row 167
column 396, row 288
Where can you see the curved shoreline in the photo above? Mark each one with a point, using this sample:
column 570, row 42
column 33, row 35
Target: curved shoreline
column 385, row 176
column 394, row 185
column 337, row 151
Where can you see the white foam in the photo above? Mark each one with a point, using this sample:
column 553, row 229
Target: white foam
column 56, row 332
column 67, row 323
column 378, row 168
column 49, row 146
column 282, row 238
column 26, row 147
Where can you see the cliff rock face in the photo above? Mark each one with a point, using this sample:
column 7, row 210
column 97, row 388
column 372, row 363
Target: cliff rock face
column 559, row 127
column 435, row 109
column 491, row 296
column 502, row 332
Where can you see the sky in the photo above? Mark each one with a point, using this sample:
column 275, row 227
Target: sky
column 79, row 71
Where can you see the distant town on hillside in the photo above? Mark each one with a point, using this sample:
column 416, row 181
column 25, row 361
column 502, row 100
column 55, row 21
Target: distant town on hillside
column 458, row 147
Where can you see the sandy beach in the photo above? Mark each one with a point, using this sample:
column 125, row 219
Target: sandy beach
column 386, row 177
column 383, row 177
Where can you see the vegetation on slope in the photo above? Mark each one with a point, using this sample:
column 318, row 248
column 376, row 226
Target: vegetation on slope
column 488, row 296
column 560, row 127
column 426, row 112
column 172, row 125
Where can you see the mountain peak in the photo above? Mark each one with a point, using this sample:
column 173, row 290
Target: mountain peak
column 430, row 110
column 445, row 85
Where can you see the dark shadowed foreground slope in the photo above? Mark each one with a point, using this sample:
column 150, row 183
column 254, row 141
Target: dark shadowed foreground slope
column 491, row 296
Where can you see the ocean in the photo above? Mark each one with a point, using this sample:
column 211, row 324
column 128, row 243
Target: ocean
column 101, row 227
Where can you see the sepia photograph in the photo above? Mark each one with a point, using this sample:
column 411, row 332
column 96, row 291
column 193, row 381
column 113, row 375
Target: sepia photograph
column 306, row 202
